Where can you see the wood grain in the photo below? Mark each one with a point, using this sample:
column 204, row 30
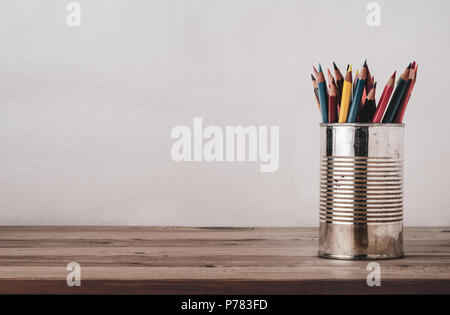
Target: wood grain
column 183, row 260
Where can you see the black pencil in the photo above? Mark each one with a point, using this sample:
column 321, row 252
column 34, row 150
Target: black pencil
column 315, row 90
column 397, row 97
column 369, row 107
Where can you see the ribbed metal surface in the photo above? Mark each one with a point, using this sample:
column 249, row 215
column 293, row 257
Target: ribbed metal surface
column 362, row 190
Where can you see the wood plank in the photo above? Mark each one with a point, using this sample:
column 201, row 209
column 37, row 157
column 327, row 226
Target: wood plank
column 191, row 260
column 232, row 287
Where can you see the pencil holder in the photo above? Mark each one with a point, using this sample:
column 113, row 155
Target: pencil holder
column 361, row 191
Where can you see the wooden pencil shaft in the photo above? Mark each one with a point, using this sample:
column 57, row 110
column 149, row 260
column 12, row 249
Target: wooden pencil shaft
column 367, row 111
column 332, row 104
column 383, row 102
column 332, row 109
column 396, row 97
column 345, row 101
column 401, row 110
column 356, row 101
column 323, row 100
column 316, row 93
column 395, row 101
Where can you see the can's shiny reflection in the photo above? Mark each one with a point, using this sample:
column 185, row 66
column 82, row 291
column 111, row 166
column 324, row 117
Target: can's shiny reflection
column 361, row 191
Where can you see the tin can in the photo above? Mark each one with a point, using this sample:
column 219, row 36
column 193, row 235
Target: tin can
column 361, row 191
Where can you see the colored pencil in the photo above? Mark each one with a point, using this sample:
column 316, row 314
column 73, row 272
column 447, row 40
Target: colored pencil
column 369, row 82
column 330, row 76
column 330, row 82
column 344, row 99
column 339, row 78
column 323, row 95
column 369, row 86
column 332, row 103
column 356, row 81
column 357, row 95
column 316, row 74
column 361, row 103
column 397, row 97
column 404, row 103
column 368, row 109
column 339, row 85
column 384, row 99
column 346, row 95
column 316, row 93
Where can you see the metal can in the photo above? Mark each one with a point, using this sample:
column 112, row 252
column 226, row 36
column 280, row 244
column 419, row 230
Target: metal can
column 361, row 191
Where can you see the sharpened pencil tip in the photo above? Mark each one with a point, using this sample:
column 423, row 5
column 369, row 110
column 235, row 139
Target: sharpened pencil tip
column 409, row 66
column 335, row 67
column 349, row 68
column 320, row 68
column 375, row 85
column 312, row 77
column 393, row 75
column 365, row 63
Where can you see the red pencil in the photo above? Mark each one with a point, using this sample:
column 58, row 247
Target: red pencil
column 383, row 93
column 332, row 117
column 330, row 76
column 404, row 103
column 383, row 102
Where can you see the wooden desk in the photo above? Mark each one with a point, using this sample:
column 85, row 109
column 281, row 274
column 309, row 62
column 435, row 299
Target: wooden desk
column 164, row 260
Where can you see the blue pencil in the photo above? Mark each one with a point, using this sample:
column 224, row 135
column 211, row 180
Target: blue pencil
column 354, row 107
column 396, row 99
column 323, row 95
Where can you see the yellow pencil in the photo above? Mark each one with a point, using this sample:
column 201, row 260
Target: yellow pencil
column 346, row 95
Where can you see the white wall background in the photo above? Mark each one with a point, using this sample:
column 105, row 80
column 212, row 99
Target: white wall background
column 86, row 113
